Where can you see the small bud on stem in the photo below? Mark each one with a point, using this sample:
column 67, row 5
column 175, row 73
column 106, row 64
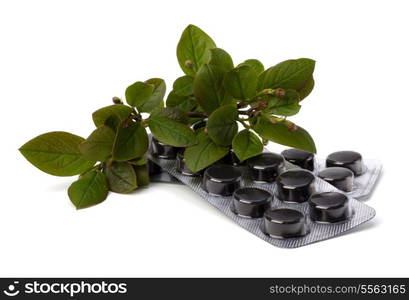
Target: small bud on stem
column 292, row 127
column 189, row 64
column 268, row 91
column 117, row 100
column 279, row 93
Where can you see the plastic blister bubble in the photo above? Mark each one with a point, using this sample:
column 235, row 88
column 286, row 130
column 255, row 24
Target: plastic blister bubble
column 364, row 184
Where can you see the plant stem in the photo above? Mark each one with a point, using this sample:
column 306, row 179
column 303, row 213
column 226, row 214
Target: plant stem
column 248, row 112
column 243, row 122
column 194, row 114
column 242, row 104
column 144, row 123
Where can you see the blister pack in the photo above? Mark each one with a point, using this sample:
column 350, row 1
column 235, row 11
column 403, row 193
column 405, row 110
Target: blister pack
column 157, row 174
column 346, row 170
column 280, row 203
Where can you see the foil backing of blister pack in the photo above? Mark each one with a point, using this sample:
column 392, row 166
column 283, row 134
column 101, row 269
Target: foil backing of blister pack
column 317, row 231
column 364, row 184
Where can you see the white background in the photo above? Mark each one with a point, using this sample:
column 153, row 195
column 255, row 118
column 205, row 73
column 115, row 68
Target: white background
column 61, row 60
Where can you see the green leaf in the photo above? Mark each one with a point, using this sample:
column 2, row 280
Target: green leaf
column 88, row 190
column 204, row 153
column 56, row 153
column 171, row 132
column 209, row 90
column 286, row 106
column 98, row 146
column 146, row 96
column 222, row 125
column 221, row 59
column 185, row 103
column 246, row 144
column 156, row 99
column 307, row 88
column 171, row 113
column 121, row 177
column 120, row 111
column 139, row 161
column 193, row 49
column 130, row 142
column 112, row 122
column 289, row 74
column 142, row 175
column 241, row 82
column 183, row 86
column 253, row 63
column 279, row 132
column 138, row 93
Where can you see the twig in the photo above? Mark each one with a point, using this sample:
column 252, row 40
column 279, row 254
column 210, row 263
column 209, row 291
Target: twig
column 194, row 114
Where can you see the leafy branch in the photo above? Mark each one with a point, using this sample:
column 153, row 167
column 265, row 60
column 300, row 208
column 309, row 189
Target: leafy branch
column 242, row 107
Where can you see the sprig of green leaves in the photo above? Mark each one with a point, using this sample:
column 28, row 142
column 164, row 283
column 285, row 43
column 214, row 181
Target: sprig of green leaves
column 239, row 106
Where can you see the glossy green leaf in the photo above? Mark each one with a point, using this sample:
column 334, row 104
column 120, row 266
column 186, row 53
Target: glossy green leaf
column 221, row 59
column 130, row 142
column 241, row 82
column 193, row 49
column 279, row 132
column 120, row 111
column 209, row 90
column 246, row 144
column 307, row 88
column 98, row 146
column 138, row 93
column 142, row 175
column 222, row 125
column 88, row 190
column 183, row 86
column 112, row 122
column 253, row 63
column 121, row 177
column 171, row 113
column 204, row 153
column 171, row 132
column 185, row 103
column 286, row 106
column 289, row 74
column 56, row 153
column 156, row 99
column 146, row 96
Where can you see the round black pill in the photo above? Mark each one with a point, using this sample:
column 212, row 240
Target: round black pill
column 154, row 168
column 266, row 166
column 250, row 202
column 295, row 185
column 181, row 165
column 341, row 178
column 221, row 180
column 230, row 159
column 199, row 124
column 284, row 223
column 348, row 159
column 164, row 151
column 300, row 158
column 329, row 207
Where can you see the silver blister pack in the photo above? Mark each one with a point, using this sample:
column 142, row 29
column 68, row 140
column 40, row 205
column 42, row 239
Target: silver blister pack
column 316, row 231
column 364, row 184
